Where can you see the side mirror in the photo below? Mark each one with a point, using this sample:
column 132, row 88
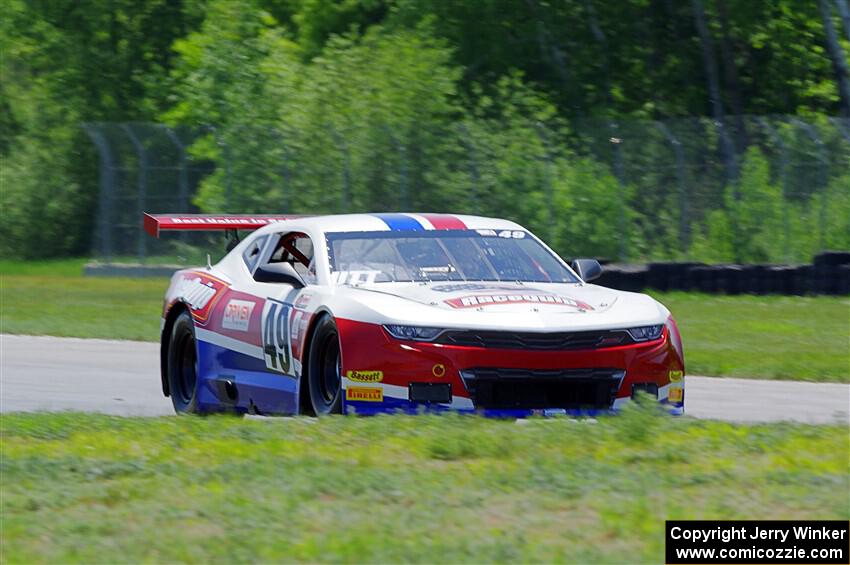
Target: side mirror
column 279, row 273
column 587, row 269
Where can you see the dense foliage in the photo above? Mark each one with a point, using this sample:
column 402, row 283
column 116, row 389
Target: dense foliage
column 483, row 106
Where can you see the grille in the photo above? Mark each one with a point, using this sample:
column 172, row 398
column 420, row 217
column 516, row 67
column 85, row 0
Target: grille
column 554, row 341
column 536, row 389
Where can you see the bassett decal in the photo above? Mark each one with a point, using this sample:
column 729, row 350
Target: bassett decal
column 365, row 376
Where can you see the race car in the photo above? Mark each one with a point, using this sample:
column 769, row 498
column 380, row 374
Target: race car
column 373, row 313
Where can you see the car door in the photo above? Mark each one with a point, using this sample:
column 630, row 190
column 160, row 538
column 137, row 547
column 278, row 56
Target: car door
column 274, row 387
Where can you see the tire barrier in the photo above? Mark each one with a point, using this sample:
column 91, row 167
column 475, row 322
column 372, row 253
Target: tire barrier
column 829, row 274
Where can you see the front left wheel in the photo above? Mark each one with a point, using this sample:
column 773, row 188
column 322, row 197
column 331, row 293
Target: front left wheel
column 324, row 369
column 183, row 365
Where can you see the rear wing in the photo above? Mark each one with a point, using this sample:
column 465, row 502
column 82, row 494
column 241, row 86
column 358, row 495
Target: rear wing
column 156, row 223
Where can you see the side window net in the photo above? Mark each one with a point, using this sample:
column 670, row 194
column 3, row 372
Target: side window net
column 296, row 249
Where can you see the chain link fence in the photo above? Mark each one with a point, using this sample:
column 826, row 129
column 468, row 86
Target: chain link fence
column 753, row 188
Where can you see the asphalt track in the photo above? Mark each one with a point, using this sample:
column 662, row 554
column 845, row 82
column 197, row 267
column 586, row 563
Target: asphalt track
column 122, row 378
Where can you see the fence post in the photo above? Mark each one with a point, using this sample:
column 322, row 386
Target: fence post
column 474, row 174
column 225, row 155
column 142, row 184
column 730, row 169
column 783, row 172
column 183, row 176
column 107, row 187
column 824, row 161
column 684, row 227
column 550, row 191
column 284, row 170
column 402, row 151
column 843, row 127
column 619, row 172
column 345, row 200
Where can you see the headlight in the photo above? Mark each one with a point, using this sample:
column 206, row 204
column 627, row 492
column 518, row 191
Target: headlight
column 412, row 332
column 646, row 333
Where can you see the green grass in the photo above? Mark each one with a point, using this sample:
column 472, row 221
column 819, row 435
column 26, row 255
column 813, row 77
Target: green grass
column 90, row 488
column 775, row 337
column 53, row 298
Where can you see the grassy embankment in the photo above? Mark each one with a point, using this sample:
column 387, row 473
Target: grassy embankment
column 89, row 488
column 778, row 337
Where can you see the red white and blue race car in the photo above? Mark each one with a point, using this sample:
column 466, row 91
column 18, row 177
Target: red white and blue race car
column 369, row 313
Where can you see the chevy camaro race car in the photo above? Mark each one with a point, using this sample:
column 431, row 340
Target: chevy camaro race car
column 370, row 313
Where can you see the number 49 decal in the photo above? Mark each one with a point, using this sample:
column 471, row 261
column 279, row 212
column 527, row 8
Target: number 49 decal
column 276, row 344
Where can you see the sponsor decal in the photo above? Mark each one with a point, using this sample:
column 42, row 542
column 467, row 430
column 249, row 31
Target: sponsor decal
column 200, row 292
column 676, row 394
column 676, row 376
column 365, row 376
column 303, row 300
column 476, row 300
column 365, row 394
column 225, row 220
column 438, row 370
column 237, row 315
column 507, row 234
column 475, row 287
column 354, row 277
column 295, row 324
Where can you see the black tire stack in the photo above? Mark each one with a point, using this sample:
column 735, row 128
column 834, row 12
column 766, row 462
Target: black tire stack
column 829, row 274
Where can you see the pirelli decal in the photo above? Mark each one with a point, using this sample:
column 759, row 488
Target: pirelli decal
column 365, row 394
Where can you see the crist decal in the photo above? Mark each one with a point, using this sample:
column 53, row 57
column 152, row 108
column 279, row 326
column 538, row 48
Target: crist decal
column 365, row 394
column 476, row 300
column 237, row 315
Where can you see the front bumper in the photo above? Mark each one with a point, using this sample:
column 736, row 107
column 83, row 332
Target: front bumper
column 382, row 374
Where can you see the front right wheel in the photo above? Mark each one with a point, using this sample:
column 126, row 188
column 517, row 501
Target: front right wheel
column 324, row 370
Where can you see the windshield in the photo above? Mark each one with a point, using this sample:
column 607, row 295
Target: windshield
column 456, row 255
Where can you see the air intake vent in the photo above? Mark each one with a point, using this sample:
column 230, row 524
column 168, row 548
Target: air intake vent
column 537, row 389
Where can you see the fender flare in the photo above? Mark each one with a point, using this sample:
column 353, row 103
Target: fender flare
column 177, row 308
column 304, row 406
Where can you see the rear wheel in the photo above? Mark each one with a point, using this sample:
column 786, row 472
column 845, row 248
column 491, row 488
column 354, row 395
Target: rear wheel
column 324, row 372
column 183, row 365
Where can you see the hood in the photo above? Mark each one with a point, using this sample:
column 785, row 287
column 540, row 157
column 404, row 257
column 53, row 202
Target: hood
column 501, row 304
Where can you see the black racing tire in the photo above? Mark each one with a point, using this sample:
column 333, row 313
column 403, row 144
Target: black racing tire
column 183, row 365
column 324, row 368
